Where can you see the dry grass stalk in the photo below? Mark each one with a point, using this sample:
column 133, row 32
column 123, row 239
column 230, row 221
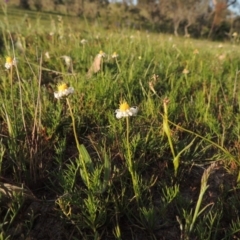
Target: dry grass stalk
column 9, row 191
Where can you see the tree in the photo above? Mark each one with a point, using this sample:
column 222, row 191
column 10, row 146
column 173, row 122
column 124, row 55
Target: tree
column 180, row 11
column 219, row 13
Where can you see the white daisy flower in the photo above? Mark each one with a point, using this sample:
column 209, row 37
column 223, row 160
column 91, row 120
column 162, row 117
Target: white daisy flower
column 63, row 91
column 47, row 55
column 101, row 54
column 83, row 41
column 126, row 111
column 10, row 62
column 114, row 55
column 67, row 60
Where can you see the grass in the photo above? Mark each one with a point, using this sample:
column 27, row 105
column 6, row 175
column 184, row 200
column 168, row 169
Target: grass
column 70, row 169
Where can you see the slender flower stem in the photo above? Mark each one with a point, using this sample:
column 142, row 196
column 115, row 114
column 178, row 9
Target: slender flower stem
column 73, row 123
column 77, row 143
column 11, row 81
column 130, row 163
column 128, row 145
column 12, row 98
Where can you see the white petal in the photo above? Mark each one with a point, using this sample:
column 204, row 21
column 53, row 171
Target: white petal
column 70, row 90
column 8, row 65
column 134, row 110
column 118, row 114
column 56, row 95
column 127, row 113
column 64, row 93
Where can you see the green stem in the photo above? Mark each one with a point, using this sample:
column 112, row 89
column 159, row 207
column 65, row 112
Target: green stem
column 168, row 133
column 118, row 65
column 130, row 163
column 11, row 81
column 78, row 144
column 203, row 189
column 205, row 139
column 73, row 123
column 166, row 127
column 128, row 147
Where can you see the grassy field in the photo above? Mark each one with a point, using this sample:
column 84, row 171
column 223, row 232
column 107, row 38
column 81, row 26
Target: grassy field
column 166, row 168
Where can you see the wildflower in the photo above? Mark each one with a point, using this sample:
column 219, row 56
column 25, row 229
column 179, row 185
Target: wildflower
column 101, row 54
column 10, row 62
column 19, row 45
column 83, row 41
column 63, row 90
column 125, row 110
column 47, row 55
column 114, row 55
column 185, row 71
column 67, row 60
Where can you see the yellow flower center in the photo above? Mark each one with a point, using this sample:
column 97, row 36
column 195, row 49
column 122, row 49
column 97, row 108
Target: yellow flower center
column 9, row 60
column 124, row 106
column 62, row 87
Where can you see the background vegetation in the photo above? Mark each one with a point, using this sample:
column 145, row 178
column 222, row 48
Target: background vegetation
column 214, row 19
column 69, row 169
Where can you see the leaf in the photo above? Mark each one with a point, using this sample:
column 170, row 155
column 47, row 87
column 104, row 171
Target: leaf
column 107, row 172
column 86, row 159
column 176, row 159
column 86, row 164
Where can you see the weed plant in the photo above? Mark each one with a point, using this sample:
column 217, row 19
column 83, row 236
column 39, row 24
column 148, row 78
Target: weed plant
column 70, row 168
